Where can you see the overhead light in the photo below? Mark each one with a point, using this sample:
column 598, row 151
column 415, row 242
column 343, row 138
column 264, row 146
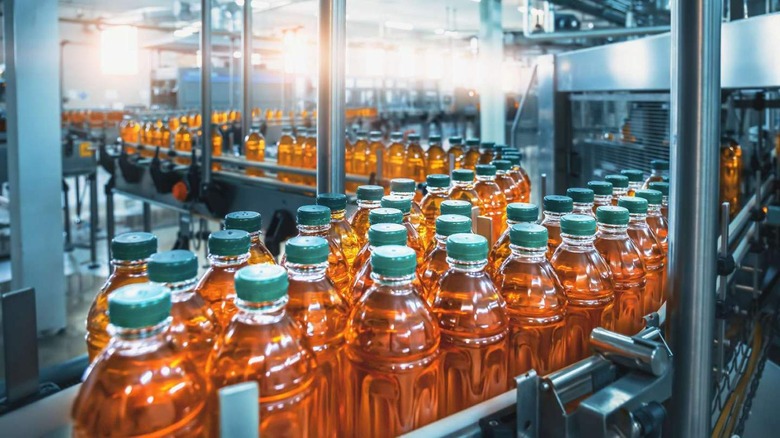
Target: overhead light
column 260, row 5
column 240, row 2
column 451, row 33
column 439, row 31
column 236, row 54
column 400, row 25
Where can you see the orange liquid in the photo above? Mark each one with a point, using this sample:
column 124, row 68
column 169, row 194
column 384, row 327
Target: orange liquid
column 416, row 218
column 510, row 188
column 587, row 285
column 655, row 266
column 652, row 178
column 309, row 159
column 297, row 159
column 349, row 154
column 258, row 253
column 464, row 192
column 437, row 161
column 194, row 328
column 376, row 148
column 553, row 224
column 320, row 310
column 254, row 149
column 391, row 374
column 628, row 276
column 487, row 157
column 433, row 267
column 362, row 281
column 414, row 241
column 730, row 174
column 360, row 164
column 338, row 270
column 216, row 147
column 359, row 220
column 431, row 209
column 134, row 132
column 182, row 143
column 145, row 387
column 394, row 161
column 500, row 250
column 285, row 156
column 97, row 319
column 660, row 227
column 456, row 153
column 268, row 347
column 471, row 158
column 535, row 305
column 217, row 287
column 344, row 236
column 415, row 162
column 522, row 183
column 492, row 204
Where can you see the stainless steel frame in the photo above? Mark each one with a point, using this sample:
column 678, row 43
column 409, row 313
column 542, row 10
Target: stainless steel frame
column 246, row 69
column 205, row 90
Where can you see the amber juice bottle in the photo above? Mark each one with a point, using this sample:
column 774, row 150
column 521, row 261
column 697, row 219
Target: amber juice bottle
column 376, row 147
column 659, row 170
column 655, row 219
column 252, row 223
column 254, row 150
column 194, row 327
column 730, row 174
column 487, row 152
column 662, row 187
column 455, row 152
column 602, row 194
column 587, row 284
column 628, row 271
column 285, row 153
column 309, row 160
column 360, row 158
column 321, row 311
column 522, row 180
column 650, row 249
column 182, row 143
column 474, row 327
column 555, row 207
column 535, row 303
column 129, row 256
column 404, row 204
column 491, row 198
column 406, row 188
column 516, row 213
column 392, row 338
column 507, row 184
column 619, row 186
column 142, row 384
column 635, row 179
column 463, row 187
column 228, row 252
column 368, row 198
column 582, row 201
column 435, row 262
column 415, row 159
column 375, row 217
column 395, row 156
column 436, row 160
column 264, row 344
column 437, row 186
column 471, row 157
column 341, row 231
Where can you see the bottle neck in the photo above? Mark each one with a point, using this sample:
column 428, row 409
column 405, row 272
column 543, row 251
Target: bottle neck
column 407, row 195
column 181, row 290
column 441, row 241
column 369, row 205
column 437, row 190
column 612, row 231
column 578, row 241
column 529, row 254
column 486, row 178
column 602, row 199
column 635, row 185
column 306, row 272
column 501, row 172
column 337, row 215
column 396, row 283
column 129, row 266
column 619, row 191
column 464, row 184
column 314, row 230
column 255, row 236
column 553, row 217
column 653, row 209
column 665, row 201
column 261, row 313
column 582, row 208
column 133, row 337
column 637, row 219
column 227, row 261
column 466, row 266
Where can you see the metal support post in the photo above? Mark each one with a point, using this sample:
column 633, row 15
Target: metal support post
column 695, row 126
column 246, row 70
column 147, row 217
column 720, row 346
column 205, row 90
column 93, row 220
column 66, row 213
column 110, row 219
column 330, row 96
column 33, row 109
column 492, row 113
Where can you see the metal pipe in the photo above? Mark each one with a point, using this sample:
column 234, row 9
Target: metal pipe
column 598, row 33
column 246, row 71
column 695, row 125
column 205, row 90
column 721, row 288
column 743, row 217
column 330, row 96
column 626, row 351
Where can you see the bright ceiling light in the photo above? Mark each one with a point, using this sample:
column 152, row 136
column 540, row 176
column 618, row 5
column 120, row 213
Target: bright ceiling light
column 439, row 31
column 237, row 54
column 119, row 50
column 400, row 25
column 240, row 2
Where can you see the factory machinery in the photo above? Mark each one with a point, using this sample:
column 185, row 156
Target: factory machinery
column 694, row 369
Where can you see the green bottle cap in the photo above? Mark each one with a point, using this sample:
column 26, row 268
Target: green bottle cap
column 528, row 235
column 580, row 195
column 449, row 224
column 487, row 144
column 472, row 142
column 662, row 187
column 522, row 212
column 558, row 204
column 133, row 246
column 633, row 175
column 402, row 185
column 402, row 203
column 387, row 234
column 362, row 133
column 513, row 159
column 633, row 204
column 502, row 165
column 434, row 138
column 610, row 215
column 375, row 135
column 414, row 137
column 307, row 250
column 249, row 221
column 665, row 178
column 659, row 164
column 313, row 215
column 393, row 261
column 395, row 135
column 139, row 305
column 452, row 206
column 601, row 188
column 370, row 193
column 618, row 181
column 456, row 139
column 227, row 243
column 334, row 201
column 578, row 225
column 438, row 180
column 486, row 170
column 653, row 197
column 172, row 266
column 385, row 216
column 467, row 247
column 259, row 283
column 463, row 175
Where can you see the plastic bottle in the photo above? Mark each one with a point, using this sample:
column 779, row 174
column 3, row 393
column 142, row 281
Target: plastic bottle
column 471, row 158
column 284, row 148
column 406, row 188
column 655, row 219
column 619, row 186
column 662, row 187
column 254, row 149
column 392, row 352
column 474, row 327
column 309, row 160
column 554, row 208
column 321, row 311
column 182, row 143
column 517, row 172
column 376, row 147
column 487, row 153
column 659, row 170
column 437, row 187
column 349, row 153
column 535, row 303
column 194, row 327
column 651, row 250
column 451, row 206
column 492, row 199
column 228, row 252
column 368, row 198
column 602, row 194
column 463, row 187
column 217, row 142
column 582, row 200
column 628, row 271
column 516, row 213
column 435, row 262
column 297, row 154
column 142, row 384
column 129, row 256
column 415, row 159
column 635, row 179
column 263, row 343
column 394, row 163
column 498, row 151
column 341, row 231
column 165, row 135
column 508, row 185
column 436, row 160
column 455, row 152
column 587, row 284
column 730, row 174
column 252, row 223
column 404, row 204
column 361, row 151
